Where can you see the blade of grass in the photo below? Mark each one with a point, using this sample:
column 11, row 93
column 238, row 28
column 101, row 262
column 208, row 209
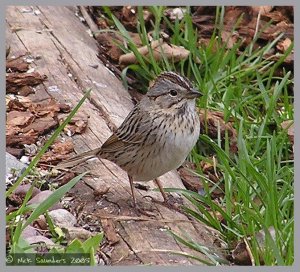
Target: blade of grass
column 52, row 199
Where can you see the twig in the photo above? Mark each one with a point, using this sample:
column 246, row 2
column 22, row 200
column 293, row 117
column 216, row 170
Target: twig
column 257, row 24
column 144, row 50
column 249, row 252
column 136, row 218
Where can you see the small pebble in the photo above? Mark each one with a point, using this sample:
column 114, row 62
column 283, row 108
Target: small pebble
column 28, row 232
column 40, row 197
column 24, row 159
column 62, row 218
column 23, row 189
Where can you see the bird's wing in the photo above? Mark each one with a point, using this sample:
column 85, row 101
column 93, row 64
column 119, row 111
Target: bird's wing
column 132, row 131
column 112, row 144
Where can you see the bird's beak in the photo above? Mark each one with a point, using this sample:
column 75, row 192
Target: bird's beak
column 193, row 93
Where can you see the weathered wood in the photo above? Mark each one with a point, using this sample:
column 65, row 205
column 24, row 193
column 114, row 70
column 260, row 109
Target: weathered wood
column 67, row 53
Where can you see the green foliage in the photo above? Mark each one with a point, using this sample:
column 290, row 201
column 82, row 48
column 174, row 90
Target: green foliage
column 258, row 180
column 89, row 246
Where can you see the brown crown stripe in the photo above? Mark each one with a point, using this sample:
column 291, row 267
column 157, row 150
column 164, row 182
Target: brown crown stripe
column 176, row 78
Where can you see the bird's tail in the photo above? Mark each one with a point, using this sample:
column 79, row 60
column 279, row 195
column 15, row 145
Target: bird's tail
column 78, row 159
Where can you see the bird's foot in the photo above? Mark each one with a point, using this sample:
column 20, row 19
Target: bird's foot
column 139, row 211
column 171, row 202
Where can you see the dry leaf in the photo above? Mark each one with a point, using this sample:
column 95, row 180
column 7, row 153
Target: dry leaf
column 130, row 58
column 63, row 147
column 16, row 105
column 53, row 158
column 289, row 125
column 240, row 254
column 41, row 223
column 206, row 166
column 79, row 233
column 262, row 9
column 64, row 107
column 190, row 180
column 287, row 13
column 48, row 108
column 19, row 140
column 229, row 38
column 110, row 231
column 25, row 91
column 17, row 65
column 234, row 13
column 42, row 125
column 110, row 40
column 275, row 16
column 19, row 118
column 212, row 121
column 284, row 45
column 193, row 182
column 129, row 17
column 11, row 130
column 171, row 51
column 17, row 102
column 59, row 152
column 65, row 178
column 147, row 15
column 77, row 125
column 16, row 80
column 175, row 13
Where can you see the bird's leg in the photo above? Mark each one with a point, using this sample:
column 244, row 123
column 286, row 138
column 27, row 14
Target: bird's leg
column 132, row 190
column 135, row 206
column 169, row 200
column 157, row 182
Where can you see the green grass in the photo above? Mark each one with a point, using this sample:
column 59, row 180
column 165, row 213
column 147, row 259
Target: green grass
column 258, row 180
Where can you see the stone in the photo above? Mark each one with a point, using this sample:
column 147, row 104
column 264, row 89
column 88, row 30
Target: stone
column 23, row 189
column 29, row 231
column 13, row 162
column 62, row 218
column 40, row 197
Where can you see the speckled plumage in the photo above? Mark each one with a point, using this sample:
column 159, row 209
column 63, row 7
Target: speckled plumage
column 157, row 135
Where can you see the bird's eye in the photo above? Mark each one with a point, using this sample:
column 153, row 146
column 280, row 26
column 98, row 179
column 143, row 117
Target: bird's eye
column 173, row 92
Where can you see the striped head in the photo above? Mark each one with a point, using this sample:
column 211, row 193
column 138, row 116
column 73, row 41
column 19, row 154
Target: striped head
column 171, row 90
